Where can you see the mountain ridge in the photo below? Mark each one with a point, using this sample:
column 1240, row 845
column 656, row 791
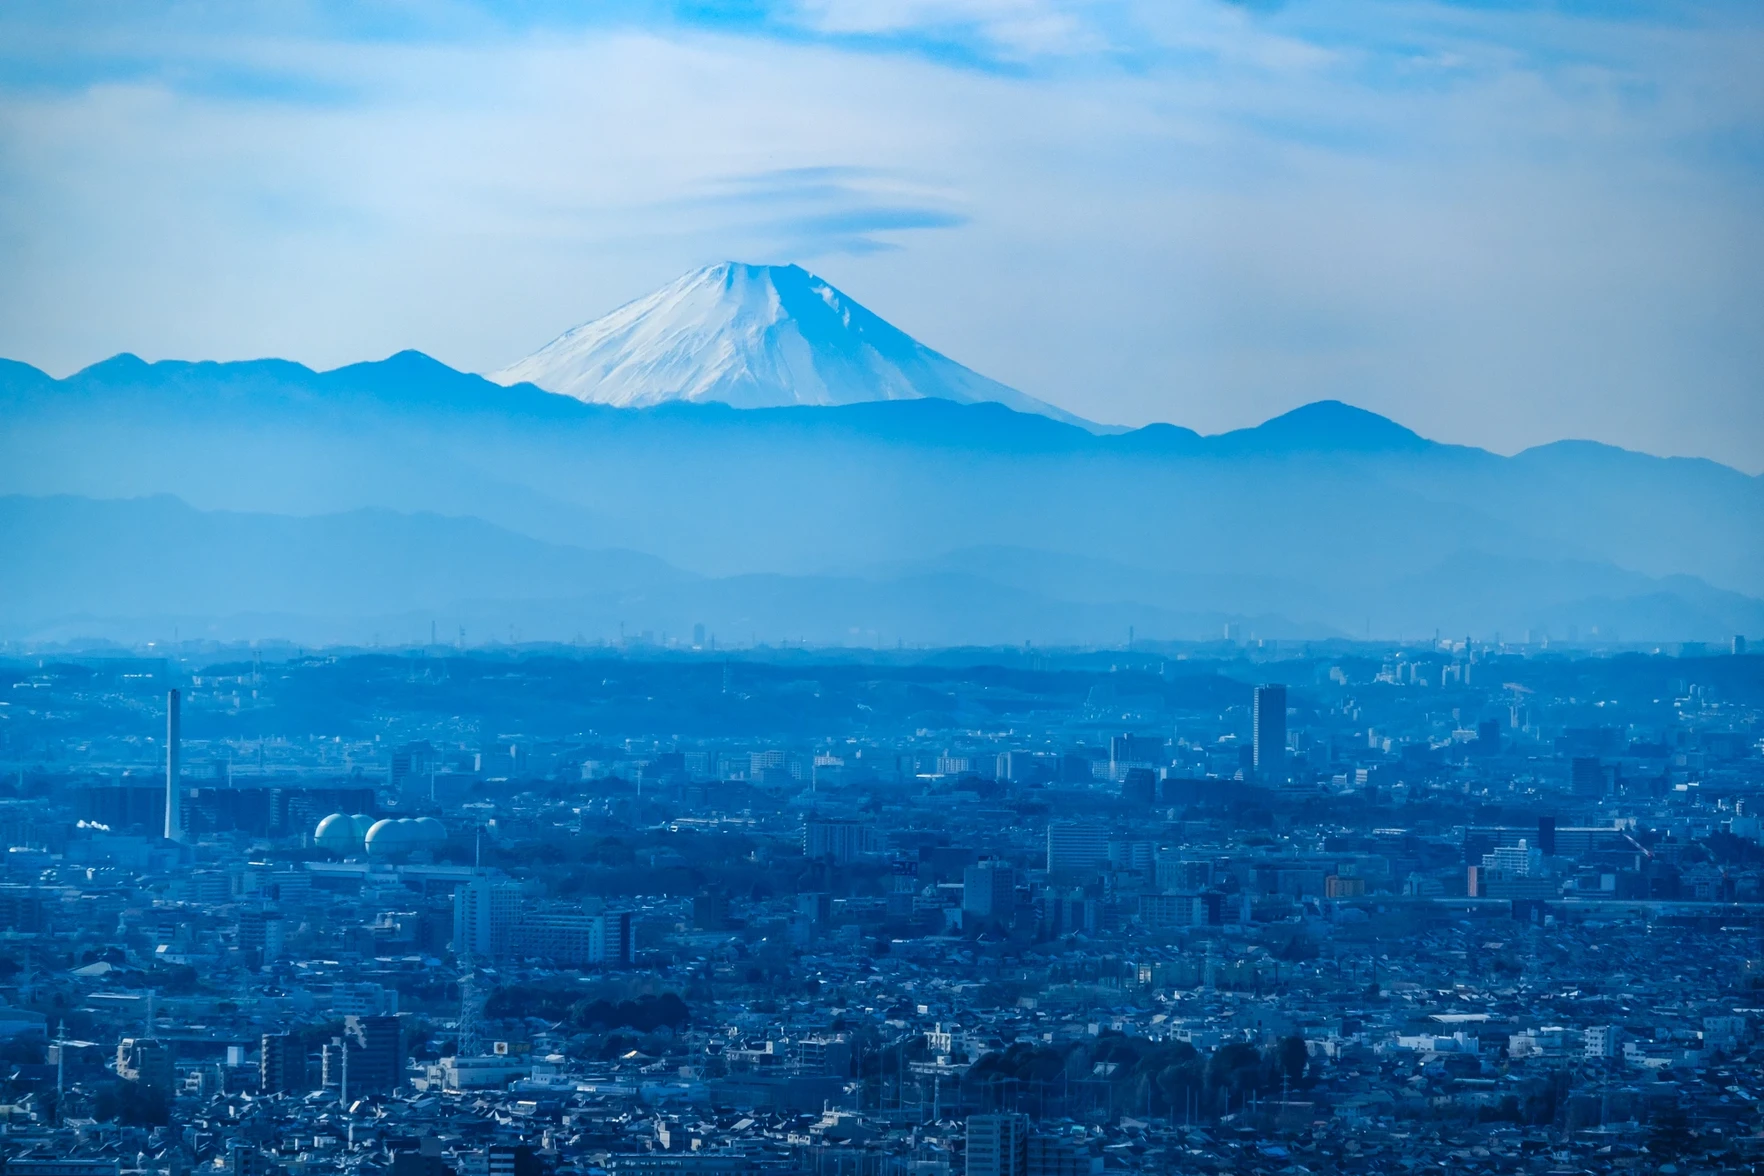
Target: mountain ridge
column 1278, row 433
column 1343, row 501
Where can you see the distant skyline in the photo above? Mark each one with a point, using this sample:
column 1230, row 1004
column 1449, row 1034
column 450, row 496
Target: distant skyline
column 1498, row 224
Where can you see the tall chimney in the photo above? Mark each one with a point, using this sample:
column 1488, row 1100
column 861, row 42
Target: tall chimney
column 174, row 796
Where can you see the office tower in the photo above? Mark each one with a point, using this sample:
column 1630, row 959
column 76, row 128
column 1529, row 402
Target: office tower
column 989, row 890
column 1546, row 836
column 1140, row 786
column 839, row 841
column 1586, row 776
column 174, row 796
column 1130, row 751
column 1269, row 734
column 710, row 911
column 1076, row 848
column 998, row 1145
column 282, row 1069
column 1739, row 646
column 373, row 1056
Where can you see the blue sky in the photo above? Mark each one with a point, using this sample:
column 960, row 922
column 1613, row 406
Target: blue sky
column 1500, row 223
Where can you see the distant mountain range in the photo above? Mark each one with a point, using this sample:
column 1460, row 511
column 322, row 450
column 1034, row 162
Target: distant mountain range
column 753, row 336
column 267, row 499
column 148, row 568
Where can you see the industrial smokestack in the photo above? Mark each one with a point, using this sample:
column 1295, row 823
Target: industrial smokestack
column 174, row 797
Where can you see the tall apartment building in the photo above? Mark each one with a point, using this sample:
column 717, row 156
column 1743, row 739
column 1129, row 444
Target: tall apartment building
column 1599, row 1041
column 413, row 770
column 373, row 1056
column 998, row 1145
column 485, row 913
column 1075, row 847
column 282, row 1067
column 1136, row 751
column 568, row 939
column 840, row 841
column 1269, row 732
column 146, row 1062
column 989, row 890
column 1054, row 1155
column 174, row 766
column 516, row 1159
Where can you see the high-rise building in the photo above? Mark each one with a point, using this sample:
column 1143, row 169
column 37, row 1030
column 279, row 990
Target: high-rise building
column 1586, row 776
column 824, row 1054
column 1055, row 1155
column 710, row 911
column 424, row 1160
column 840, row 841
column 282, row 1068
column 121, row 807
column 998, row 1145
column 512, row 1160
column 262, row 932
column 413, row 771
column 331, row 1064
column 174, row 768
column 1172, row 872
column 485, row 913
column 1599, row 1041
column 1074, row 847
column 146, row 1062
column 1136, row 751
column 1546, row 835
column 611, row 942
column 1269, row 732
column 373, row 1056
column 1139, row 786
column 563, row 939
column 989, row 890
column 245, row 1160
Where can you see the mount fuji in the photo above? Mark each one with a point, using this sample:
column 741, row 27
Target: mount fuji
column 754, row 336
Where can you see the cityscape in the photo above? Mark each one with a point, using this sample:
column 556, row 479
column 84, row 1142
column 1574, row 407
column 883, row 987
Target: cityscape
column 1234, row 906
column 881, row 588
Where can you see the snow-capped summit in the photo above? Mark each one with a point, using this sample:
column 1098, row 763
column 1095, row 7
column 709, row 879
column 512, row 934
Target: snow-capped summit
column 753, row 336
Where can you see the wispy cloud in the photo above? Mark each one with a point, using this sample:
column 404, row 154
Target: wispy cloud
column 806, row 213
column 1019, row 28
